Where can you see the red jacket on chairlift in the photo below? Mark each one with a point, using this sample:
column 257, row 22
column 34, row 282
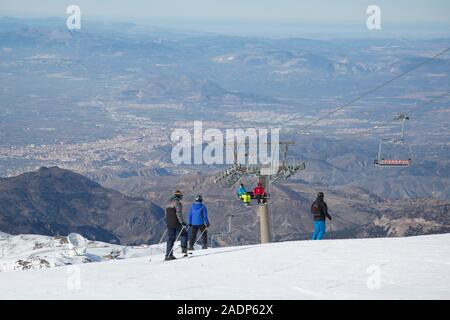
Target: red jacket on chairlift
column 259, row 190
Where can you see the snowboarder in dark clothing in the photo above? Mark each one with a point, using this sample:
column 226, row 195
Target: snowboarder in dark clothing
column 319, row 209
column 198, row 220
column 176, row 227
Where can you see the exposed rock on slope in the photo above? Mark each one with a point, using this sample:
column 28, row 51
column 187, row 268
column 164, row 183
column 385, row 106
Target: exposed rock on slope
column 53, row 201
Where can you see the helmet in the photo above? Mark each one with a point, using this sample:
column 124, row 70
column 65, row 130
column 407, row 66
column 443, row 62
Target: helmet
column 178, row 194
column 199, row 198
column 320, row 194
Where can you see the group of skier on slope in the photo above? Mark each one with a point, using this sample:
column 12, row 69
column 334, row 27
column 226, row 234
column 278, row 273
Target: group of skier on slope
column 197, row 220
column 177, row 228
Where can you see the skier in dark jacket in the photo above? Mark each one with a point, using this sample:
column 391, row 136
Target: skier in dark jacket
column 320, row 211
column 175, row 225
column 198, row 220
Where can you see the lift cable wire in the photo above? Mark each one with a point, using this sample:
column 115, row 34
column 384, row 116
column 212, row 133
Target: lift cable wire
column 406, row 113
column 374, row 89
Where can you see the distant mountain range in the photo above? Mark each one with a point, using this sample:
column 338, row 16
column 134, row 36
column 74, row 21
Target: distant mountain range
column 103, row 101
column 357, row 211
column 53, row 201
column 408, row 218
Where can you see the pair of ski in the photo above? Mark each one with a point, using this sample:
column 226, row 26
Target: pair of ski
column 186, row 255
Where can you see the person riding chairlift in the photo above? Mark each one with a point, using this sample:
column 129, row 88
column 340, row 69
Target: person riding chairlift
column 243, row 194
column 259, row 193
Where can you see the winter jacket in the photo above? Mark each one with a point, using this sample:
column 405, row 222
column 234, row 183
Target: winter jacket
column 245, row 198
column 240, row 191
column 259, row 191
column 174, row 213
column 198, row 215
column 319, row 209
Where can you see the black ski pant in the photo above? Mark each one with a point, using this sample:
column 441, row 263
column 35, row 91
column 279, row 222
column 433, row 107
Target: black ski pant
column 260, row 198
column 172, row 234
column 194, row 231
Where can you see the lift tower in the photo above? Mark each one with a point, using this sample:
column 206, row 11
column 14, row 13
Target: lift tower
column 266, row 174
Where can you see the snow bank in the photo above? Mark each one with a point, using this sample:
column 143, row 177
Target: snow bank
column 26, row 252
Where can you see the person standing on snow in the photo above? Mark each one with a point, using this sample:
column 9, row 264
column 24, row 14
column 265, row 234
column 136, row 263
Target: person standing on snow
column 176, row 227
column 319, row 209
column 198, row 220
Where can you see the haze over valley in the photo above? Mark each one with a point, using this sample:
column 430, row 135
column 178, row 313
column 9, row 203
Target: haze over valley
column 102, row 102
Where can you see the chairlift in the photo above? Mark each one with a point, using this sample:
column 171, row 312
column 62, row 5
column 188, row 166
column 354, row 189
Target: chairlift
column 389, row 160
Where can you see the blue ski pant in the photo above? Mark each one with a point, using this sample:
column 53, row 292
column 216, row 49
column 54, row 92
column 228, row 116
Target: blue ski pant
column 172, row 234
column 319, row 230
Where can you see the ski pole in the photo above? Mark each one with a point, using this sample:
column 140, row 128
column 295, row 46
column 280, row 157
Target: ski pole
column 151, row 248
column 158, row 222
column 187, row 228
column 162, row 237
column 176, row 240
column 331, row 229
column 200, row 236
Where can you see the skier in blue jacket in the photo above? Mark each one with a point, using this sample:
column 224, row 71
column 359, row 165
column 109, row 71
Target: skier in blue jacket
column 243, row 195
column 241, row 190
column 198, row 220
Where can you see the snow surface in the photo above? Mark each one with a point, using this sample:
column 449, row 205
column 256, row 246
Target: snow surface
column 27, row 251
column 389, row 268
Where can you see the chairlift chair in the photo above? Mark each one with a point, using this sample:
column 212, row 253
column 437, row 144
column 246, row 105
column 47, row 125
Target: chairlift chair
column 382, row 161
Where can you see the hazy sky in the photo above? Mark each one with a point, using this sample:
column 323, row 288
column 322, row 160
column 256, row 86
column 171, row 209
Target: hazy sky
column 404, row 12
column 316, row 10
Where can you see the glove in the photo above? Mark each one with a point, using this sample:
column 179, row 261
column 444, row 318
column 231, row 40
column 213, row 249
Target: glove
column 207, row 225
column 184, row 224
column 329, row 217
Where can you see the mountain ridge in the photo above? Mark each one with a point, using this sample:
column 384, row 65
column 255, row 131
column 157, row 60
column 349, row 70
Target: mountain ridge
column 54, row 201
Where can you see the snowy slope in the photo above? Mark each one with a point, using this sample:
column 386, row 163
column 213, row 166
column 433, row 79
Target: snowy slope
column 393, row 268
column 27, row 252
